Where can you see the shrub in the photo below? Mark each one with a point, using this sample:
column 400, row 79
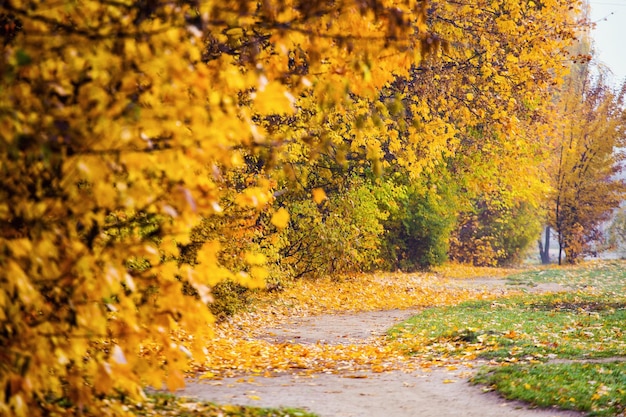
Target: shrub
column 418, row 227
column 494, row 234
column 340, row 235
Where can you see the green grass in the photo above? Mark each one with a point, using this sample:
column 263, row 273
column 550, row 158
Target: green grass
column 602, row 276
column 527, row 328
column 527, row 334
column 599, row 389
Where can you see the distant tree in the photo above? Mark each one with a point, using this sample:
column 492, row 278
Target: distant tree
column 586, row 188
column 544, row 248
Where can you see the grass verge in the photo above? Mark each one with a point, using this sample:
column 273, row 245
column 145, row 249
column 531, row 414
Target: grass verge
column 599, row 276
column 599, row 389
column 526, row 335
column 524, row 328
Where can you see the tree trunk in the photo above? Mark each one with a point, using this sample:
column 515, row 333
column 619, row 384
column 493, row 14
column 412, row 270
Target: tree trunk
column 544, row 250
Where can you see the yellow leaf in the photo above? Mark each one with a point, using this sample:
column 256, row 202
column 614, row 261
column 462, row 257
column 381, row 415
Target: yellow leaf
column 104, row 383
column 318, row 195
column 175, row 380
column 254, row 397
column 449, row 381
column 20, row 247
column 255, row 258
column 207, row 255
column 207, row 375
column 280, row 219
column 273, row 98
column 154, row 378
column 253, row 197
column 19, row 405
column 259, row 274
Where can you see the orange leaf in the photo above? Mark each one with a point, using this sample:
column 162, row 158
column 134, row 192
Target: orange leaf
column 318, row 195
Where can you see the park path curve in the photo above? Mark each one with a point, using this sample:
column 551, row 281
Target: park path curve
column 434, row 392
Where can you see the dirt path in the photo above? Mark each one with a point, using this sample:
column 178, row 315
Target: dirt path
column 427, row 393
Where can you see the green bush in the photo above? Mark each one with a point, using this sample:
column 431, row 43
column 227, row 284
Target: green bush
column 228, row 298
column 342, row 234
column 418, row 227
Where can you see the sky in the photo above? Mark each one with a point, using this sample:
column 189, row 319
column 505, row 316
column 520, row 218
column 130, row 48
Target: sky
column 610, row 35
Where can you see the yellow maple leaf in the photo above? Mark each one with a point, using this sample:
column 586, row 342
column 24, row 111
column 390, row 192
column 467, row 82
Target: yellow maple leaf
column 175, row 380
column 207, row 375
column 255, row 258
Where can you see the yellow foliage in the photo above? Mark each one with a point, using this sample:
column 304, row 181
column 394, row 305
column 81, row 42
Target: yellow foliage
column 318, row 195
column 586, row 189
column 120, row 119
column 280, row 218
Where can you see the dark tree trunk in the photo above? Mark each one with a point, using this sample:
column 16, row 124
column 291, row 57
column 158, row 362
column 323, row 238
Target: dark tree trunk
column 544, row 250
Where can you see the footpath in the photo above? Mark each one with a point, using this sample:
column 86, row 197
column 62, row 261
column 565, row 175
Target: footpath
column 432, row 392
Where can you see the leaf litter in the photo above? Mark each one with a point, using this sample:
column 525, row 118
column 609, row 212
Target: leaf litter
column 248, row 347
column 239, row 347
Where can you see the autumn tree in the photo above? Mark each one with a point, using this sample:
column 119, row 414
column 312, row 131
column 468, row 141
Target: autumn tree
column 118, row 120
column 587, row 189
column 478, row 110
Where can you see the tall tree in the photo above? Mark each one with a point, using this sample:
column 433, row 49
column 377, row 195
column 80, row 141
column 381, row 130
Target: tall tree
column 592, row 128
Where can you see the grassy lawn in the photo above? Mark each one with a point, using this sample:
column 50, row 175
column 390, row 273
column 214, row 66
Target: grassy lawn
column 602, row 276
column 527, row 335
column 596, row 388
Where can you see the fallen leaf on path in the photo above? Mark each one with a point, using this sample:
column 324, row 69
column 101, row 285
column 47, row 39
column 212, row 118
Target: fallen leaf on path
column 238, row 350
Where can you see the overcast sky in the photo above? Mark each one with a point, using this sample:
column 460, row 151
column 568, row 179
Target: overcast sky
column 610, row 35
